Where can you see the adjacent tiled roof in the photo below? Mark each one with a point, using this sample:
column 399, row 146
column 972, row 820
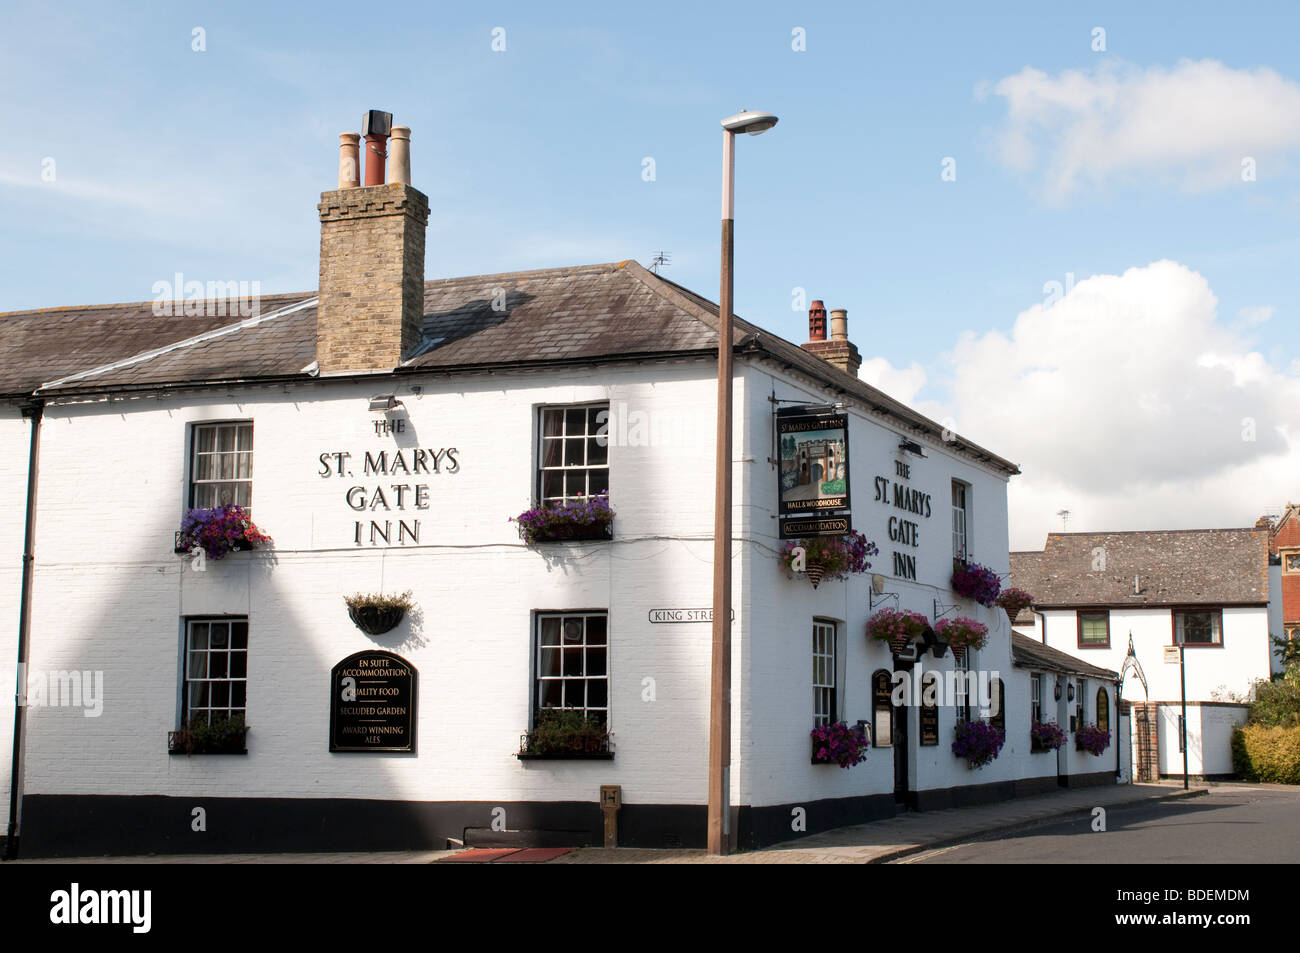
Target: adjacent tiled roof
column 1027, row 653
column 611, row 311
column 43, row 345
column 1173, row 567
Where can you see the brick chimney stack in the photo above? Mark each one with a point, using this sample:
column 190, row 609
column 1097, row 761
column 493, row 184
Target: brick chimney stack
column 839, row 350
column 371, row 260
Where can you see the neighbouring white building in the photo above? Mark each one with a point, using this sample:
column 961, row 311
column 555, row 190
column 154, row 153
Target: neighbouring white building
column 1098, row 593
column 384, row 431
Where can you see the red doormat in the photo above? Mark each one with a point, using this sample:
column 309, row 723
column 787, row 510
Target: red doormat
column 506, row 855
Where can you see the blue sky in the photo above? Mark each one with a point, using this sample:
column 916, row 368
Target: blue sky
column 210, row 163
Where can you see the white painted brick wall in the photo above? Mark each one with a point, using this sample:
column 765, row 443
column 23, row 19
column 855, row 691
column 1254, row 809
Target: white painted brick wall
column 110, row 594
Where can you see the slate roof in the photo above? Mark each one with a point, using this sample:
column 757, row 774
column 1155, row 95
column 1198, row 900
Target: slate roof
column 615, row 311
column 46, row 344
column 1026, row 653
column 1173, row 567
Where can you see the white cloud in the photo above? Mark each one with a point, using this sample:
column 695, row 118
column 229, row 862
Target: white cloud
column 1255, row 315
column 1128, row 401
column 1192, row 125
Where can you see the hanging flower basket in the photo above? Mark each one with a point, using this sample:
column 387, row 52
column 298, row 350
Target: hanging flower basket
column 815, row 572
column 961, row 634
column 584, row 518
column 1092, row 739
column 829, row 557
column 1014, row 600
column 898, row 627
column 1045, row 736
column 973, row 581
column 839, row 743
column 375, row 613
column 218, row 531
column 978, row 742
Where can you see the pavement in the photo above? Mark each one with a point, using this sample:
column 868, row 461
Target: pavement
column 880, row 842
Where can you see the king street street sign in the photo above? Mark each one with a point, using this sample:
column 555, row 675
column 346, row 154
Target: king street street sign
column 683, row 615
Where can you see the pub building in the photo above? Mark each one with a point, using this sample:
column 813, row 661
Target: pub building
column 388, row 434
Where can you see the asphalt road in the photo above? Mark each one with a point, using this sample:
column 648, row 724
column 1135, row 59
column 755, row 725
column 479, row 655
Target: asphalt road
column 1233, row 824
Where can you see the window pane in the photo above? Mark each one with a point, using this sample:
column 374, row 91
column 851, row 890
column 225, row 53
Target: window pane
column 596, row 661
column 206, row 439
column 575, row 452
column 598, row 482
column 573, row 661
column 220, row 694
column 551, row 631
column 553, row 484
column 575, row 483
column 237, row 694
column 549, row 662
column 598, row 693
column 597, row 417
column 550, row 694
column 575, row 421
column 552, row 422
column 551, row 452
column 198, row 694
column 239, row 635
column 244, row 440
column 573, row 631
column 238, row 665
column 198, row 635
column 217, row 665
column 225, row 439
column 198, row 665
column 220, row 634
column 597, row 454
column 575, row 693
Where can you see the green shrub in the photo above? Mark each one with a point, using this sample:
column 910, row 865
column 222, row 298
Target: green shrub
column 1264, row 753
column 1277, row 703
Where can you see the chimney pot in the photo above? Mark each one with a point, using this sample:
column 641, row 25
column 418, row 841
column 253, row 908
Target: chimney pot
column 399, row 155
column 817, row 321
column 349, row 160
column 839, row 325
column 376, row 125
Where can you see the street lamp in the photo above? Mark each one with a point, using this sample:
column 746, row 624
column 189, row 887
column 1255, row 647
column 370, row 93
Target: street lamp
column 752, row 123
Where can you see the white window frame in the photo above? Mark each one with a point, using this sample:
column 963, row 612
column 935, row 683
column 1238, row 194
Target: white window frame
column 239, row 460
column 961, row 521
column 199, row 666
column 961, row 690
column 1036, row 697
column 585, row 648
column 825, row 657
column 595, row 442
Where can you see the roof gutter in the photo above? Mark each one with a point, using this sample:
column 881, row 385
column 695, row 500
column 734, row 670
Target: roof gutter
column 33, row 411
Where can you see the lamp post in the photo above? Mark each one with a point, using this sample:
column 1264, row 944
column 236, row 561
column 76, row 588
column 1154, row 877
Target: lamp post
column 752, row 123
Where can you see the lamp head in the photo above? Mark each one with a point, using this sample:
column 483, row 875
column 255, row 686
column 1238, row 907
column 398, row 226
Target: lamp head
column 749, row 121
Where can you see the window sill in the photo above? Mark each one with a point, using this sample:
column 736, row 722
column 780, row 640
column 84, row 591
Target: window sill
column 1093, row 645
column 567, row 756
column 205, row 753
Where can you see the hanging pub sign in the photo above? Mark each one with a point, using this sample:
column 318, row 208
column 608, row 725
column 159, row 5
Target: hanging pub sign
column 372, row 703
column 813, row 456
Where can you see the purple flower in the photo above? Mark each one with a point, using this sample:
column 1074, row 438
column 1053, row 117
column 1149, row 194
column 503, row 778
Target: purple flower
column 978, row 742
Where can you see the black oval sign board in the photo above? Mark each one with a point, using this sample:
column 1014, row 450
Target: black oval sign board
column 372, row 703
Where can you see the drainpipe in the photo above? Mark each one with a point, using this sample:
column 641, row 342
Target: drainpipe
column 33, row 411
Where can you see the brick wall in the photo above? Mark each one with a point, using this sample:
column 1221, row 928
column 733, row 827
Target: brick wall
column 371, row 276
